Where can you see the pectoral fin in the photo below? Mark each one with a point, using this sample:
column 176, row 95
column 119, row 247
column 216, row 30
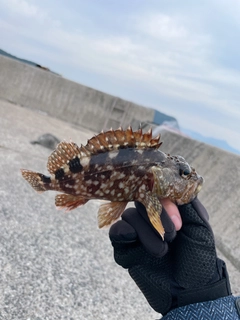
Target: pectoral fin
column 154, row 210
column 69, row 202
column 110, row 212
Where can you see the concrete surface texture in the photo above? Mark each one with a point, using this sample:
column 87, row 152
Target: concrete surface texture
column 53, row 265
column 60, row 266
column 66, row 100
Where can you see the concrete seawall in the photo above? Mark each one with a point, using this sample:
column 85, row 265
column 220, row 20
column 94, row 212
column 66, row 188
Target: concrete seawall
column 221, row 189
column 69, row 101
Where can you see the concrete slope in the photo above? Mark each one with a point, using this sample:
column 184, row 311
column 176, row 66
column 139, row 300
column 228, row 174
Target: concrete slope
column 60, row 266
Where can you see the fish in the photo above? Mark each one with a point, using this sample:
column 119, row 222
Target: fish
column 118, row 166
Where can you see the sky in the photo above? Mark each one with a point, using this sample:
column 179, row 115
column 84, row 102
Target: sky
column 179, row 57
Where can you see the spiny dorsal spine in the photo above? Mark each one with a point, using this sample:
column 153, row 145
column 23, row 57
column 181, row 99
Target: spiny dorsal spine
column 68, row 153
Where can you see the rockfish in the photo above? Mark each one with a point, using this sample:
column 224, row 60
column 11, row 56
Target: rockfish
column 119, row 166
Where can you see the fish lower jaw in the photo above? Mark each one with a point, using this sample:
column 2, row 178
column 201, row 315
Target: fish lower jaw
column 199, row 187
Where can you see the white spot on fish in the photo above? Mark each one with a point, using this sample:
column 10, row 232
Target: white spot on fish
column 140, row 151
column 66, row 168
column 142, row 195
column 89, row 195
column 85, row 161
column 95, row 182
column 111, row 184
column 109, row 167
column 132, row 177
column 113, row 192
column 115, row 173
column 143, row 187
column 121, row 185
column 121, row 175
column 113, row 154
column 126, row 190
column 119, row 194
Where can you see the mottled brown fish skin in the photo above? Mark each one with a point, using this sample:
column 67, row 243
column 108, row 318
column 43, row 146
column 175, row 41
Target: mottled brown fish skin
column 119, row 166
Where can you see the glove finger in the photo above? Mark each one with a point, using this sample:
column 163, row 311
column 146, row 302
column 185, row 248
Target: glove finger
column 150, row 240
column 122, row 232
column 128, row 250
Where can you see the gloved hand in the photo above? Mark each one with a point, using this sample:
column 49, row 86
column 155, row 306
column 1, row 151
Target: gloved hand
column 181, row 270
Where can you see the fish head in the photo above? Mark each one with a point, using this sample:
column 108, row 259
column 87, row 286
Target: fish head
column 176, row 180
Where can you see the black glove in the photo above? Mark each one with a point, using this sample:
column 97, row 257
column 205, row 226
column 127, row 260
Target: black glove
column 181, row 270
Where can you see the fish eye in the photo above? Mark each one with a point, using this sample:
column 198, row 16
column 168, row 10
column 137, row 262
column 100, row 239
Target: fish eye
column 184, row 171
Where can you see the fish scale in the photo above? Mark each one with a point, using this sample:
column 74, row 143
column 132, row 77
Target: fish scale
column 119, row 166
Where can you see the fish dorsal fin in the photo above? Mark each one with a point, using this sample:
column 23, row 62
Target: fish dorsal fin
column 60, row 157
column 115, row 139
column 103, row 142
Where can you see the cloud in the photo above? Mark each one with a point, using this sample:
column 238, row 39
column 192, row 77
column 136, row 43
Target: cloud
column 28, row 14
column 23, row 8
column 162, row 27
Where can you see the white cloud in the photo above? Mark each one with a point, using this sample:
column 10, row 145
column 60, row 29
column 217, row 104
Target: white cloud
column 23, row 8
column 27, row 13
column 161, row 26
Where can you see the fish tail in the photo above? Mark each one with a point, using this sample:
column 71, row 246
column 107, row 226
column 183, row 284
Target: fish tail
column 38, row 181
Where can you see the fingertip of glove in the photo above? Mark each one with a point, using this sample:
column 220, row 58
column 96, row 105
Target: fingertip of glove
column 122, row 232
